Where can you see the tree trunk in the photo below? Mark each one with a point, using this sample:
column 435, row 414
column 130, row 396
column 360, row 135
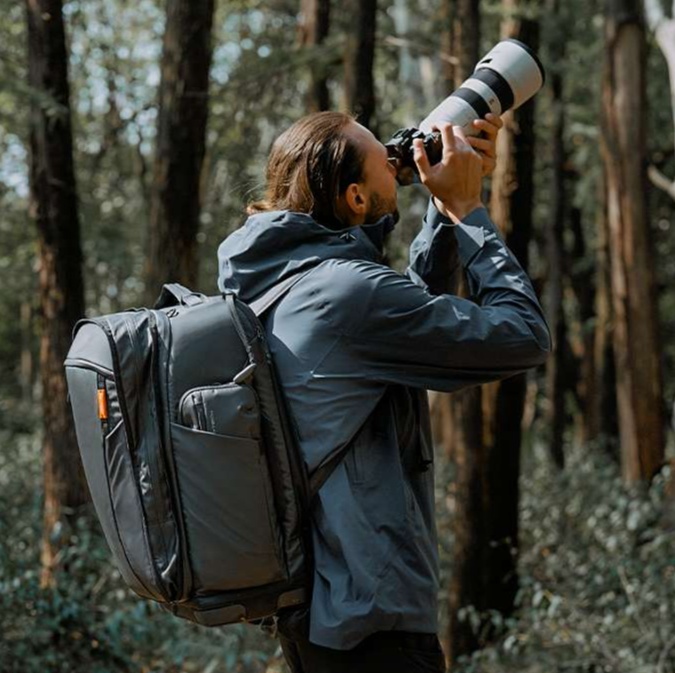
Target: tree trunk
column 359, row 60
column 555, row 370
column 635, row 333
column 466, row 38
column 179, row 154
column 53, row 204
column 602, row 411
column 313, row 32
column 583, row 285
column 511, row 209
column 465, row 590
column 448, row 61
column 464, row 414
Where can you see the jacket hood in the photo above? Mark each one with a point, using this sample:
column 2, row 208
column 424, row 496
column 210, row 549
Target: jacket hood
column 271, row 246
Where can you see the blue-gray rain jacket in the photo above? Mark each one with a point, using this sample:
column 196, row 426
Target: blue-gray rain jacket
column 357, row 345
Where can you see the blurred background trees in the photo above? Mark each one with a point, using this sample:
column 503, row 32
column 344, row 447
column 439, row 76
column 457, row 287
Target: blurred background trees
column 555, row 496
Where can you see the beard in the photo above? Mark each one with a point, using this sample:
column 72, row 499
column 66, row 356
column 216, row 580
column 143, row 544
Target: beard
column 379, row 207
column 379, row 236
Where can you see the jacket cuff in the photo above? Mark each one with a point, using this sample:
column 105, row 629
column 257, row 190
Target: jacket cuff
column 435, row 218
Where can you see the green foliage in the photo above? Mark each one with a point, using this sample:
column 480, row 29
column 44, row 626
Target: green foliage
column 91, row 623
column 597, row 571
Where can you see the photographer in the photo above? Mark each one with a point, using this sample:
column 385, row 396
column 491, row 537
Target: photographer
column 356, row 346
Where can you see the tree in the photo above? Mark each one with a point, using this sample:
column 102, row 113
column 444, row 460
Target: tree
column 53, row 205
column 511, row 207
column 556, row 370
column 179, row 153
column 635, row 334
column 484, row 437
column 359, row 61
column 314, row 29
column 463, row 414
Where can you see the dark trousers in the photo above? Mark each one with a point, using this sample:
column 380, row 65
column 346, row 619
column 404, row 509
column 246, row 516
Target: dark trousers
column 382, row 652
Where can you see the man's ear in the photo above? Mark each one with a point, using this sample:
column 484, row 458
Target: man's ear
column 355, row 200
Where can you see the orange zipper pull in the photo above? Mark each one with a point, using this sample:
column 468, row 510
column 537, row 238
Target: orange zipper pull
column 102, row 404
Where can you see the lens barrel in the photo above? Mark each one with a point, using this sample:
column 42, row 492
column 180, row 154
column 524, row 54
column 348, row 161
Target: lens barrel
column 505, row 78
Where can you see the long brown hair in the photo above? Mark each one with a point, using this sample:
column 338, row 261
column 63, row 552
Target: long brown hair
column 310, row 165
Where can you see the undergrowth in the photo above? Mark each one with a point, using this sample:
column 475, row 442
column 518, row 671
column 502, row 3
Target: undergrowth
column 597, row 587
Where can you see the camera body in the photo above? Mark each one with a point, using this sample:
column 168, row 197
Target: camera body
column 505, row 78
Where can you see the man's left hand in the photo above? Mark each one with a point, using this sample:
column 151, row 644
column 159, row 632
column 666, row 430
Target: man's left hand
column 486, row 145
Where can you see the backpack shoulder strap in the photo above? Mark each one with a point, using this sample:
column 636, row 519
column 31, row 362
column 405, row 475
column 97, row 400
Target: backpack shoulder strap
column 259, row 306
column 270, row 297
column 320, row 475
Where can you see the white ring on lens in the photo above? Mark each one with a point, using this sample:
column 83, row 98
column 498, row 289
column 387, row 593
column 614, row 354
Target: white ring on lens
column 454, row 110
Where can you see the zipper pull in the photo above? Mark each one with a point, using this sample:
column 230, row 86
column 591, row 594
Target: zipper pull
column 245, row 374
column 102, row 403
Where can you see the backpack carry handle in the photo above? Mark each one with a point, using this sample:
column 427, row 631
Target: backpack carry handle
column 175, row 294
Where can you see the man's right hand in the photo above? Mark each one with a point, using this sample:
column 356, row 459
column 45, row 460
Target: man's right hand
column 454, row 182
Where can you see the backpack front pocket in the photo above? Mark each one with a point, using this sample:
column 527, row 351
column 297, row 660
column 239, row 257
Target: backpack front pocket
column 226, row 409
column 228, row 508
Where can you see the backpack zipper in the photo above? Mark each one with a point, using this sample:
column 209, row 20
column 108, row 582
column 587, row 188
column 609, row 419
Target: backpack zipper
column 173, row 493
column 127, row 425
column 154, row 457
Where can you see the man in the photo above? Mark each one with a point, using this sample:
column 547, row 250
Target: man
column 357, row 345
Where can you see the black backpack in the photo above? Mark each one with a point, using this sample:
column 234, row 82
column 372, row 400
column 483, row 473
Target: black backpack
column 190, row 456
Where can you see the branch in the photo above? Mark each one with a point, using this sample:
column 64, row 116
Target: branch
column 403, row 42
column 628, row 590
column 664, row 653
column 659, row 180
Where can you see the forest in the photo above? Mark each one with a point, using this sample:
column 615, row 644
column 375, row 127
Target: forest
column 133, row 135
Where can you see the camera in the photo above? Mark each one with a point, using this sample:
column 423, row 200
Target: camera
column 505, row 78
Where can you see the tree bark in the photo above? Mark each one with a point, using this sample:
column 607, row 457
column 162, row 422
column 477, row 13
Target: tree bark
column 359, row 61
column 584, row 286
column 53, row 205
column 465, row 19
column 314, row 29
column 465, row 590
column 602, row 410
column 635, row 333
column 183, row 110
column 555, row 370
column 511, row 208
column 463, row 413
column 448, row 58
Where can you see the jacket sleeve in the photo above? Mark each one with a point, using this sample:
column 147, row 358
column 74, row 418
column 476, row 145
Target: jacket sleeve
column 434, row 259
column 405, row 334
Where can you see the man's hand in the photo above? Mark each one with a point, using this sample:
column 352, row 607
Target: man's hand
column 487, row 146
column 455, row 182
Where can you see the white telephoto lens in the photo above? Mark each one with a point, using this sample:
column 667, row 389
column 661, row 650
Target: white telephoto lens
column 505, row 78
